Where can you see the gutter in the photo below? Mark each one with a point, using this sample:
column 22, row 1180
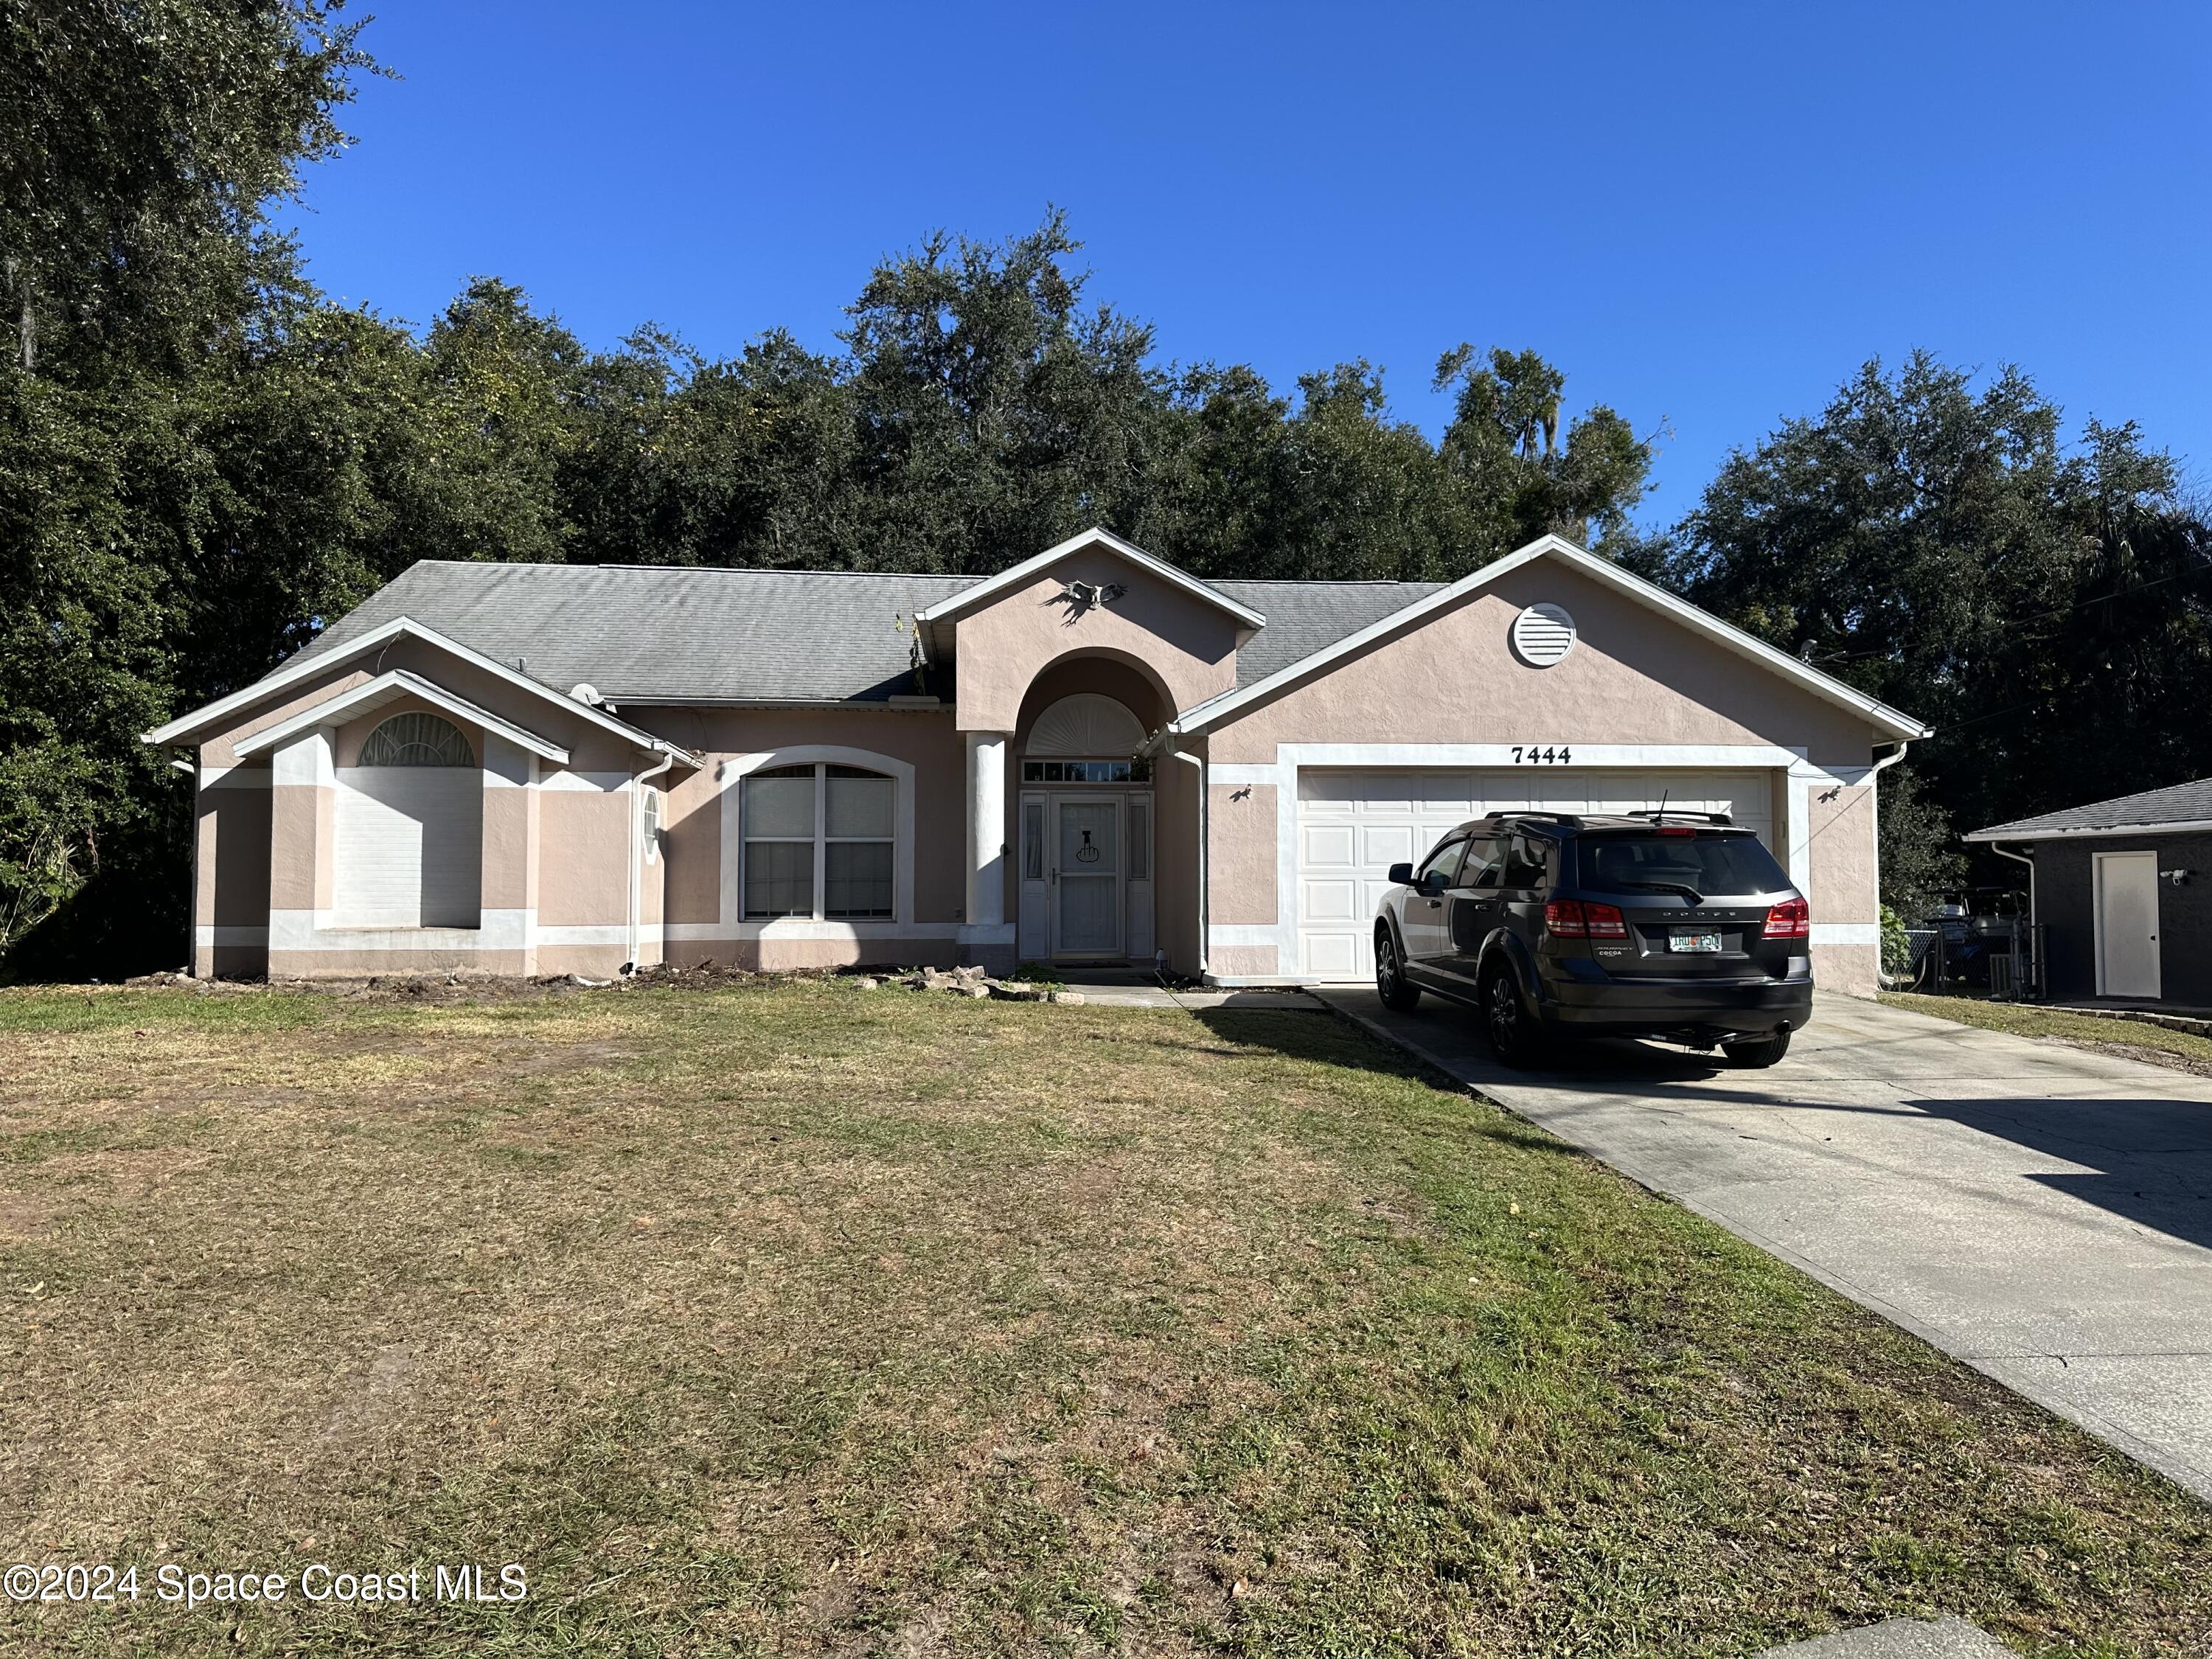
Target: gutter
column 1205, row 918
column 2035, row 956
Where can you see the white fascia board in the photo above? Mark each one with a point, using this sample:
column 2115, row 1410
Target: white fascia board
column 1214, row 710
column 300, row 667
column 385, row 688
column 1014, row 576
column 2187, row 827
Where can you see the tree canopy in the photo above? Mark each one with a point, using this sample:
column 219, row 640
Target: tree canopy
column 2046, row 607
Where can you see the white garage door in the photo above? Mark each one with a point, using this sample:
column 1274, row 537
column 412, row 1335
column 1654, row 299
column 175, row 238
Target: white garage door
column 408, row 845
column 1354, row 825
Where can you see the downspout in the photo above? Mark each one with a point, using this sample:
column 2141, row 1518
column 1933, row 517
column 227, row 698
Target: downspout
column 637, row 851
column 1880, row 973
column 2023, row 858
column 1204, row 921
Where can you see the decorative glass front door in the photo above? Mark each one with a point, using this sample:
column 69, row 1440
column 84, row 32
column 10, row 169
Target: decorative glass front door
column 1086, row 877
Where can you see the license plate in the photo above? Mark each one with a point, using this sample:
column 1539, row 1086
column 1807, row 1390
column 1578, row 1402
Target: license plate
column 1693, row 941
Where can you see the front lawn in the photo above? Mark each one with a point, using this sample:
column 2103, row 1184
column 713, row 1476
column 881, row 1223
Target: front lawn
column 790, row 1317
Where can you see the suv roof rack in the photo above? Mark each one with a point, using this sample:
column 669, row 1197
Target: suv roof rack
column 1567, row 818
column 1660, row 814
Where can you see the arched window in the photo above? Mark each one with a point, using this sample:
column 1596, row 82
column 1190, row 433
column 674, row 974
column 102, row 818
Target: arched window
column 418, row 739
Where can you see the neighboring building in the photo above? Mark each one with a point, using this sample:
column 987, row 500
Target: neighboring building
column 2123, row 892
column 1093, row 757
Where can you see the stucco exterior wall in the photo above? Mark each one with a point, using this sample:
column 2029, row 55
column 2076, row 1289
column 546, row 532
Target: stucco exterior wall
column 1636, row 680
column 1842, row 854
column 1634, row 676
column 1241, row 828
column 230, row 899
column 702, row 919
column 1185, row 646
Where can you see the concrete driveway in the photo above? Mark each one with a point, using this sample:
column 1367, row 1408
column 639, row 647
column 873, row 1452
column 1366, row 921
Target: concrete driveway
column 2041, row 1212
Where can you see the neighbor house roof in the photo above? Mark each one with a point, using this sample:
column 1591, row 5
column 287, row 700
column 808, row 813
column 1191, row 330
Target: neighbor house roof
column 2179, row 806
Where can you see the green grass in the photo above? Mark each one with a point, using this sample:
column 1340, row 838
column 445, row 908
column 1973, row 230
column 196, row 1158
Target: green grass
column 794, row 1318
column 2129, row 1038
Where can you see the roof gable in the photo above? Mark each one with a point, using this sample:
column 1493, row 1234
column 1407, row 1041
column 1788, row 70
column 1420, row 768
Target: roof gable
column 1899, row 725
column 390, row 687
column 212, row 717
column 1015, row 576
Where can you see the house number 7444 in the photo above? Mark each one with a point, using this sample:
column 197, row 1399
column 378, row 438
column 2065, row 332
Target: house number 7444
column 1530, row 754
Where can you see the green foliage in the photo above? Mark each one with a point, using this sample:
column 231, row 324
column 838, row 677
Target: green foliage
column 1896, row 946
column 2048, row 609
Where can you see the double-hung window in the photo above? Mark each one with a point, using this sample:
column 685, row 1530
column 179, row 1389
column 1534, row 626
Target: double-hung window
column 818, row 843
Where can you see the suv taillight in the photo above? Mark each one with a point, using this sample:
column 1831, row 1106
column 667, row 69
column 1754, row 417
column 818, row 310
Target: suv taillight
column 1577, row 919
column 1605, row 921
column 1791, row 919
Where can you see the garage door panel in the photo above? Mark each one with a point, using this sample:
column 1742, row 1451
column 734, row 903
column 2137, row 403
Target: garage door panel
column 1330, row 902
column 1328, row 846
column 1353, row 825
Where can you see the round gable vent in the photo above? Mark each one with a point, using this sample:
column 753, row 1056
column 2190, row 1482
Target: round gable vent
column 1543, row 635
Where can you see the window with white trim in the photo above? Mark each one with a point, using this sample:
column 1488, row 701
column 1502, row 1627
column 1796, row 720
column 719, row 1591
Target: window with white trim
column 818, row 843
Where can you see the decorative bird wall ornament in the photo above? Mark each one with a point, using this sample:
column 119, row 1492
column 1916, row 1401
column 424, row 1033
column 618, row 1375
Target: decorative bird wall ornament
column 1079, row 597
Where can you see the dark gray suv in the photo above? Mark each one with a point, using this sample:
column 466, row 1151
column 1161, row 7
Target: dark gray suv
column 1676, row 926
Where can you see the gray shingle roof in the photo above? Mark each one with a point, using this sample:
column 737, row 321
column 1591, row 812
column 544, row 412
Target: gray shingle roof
column 2181, row 803
column 642, row 633
column 1303, row 617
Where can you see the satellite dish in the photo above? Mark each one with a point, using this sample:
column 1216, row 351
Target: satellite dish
column 585, row 691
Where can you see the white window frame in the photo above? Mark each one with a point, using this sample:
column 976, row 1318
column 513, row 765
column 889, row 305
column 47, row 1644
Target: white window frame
column 822, row 841
column 734, row 924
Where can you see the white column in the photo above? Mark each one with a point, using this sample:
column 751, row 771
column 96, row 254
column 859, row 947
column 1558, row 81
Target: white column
column 986, row 829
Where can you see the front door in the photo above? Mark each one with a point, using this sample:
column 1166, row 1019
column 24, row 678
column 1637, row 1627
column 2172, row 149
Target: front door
column 2127, row 924
column 1086, row 879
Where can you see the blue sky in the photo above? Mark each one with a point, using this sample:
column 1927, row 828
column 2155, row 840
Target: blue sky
column 1705, row 215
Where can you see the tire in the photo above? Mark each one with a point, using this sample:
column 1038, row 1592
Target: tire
column 1390, row 983
column 1513, row 1037
column 1757, row 1055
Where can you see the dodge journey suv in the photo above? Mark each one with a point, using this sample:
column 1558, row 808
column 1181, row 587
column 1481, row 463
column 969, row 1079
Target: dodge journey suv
column 1679, row 925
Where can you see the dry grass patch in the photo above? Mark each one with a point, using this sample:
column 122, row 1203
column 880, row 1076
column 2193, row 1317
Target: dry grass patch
column 792, row 1318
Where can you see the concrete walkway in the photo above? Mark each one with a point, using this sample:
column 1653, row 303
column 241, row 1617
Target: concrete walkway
column 2044, row 1214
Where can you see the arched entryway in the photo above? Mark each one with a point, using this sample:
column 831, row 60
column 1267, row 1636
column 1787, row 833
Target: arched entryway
column 1084, row 822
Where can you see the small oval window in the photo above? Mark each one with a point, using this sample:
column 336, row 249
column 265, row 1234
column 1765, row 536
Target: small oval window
column 418, row 739
column 1543, row 635
column 652, row 808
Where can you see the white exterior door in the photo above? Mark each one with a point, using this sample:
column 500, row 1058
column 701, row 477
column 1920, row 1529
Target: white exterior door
column 1087, row 875
column 407, row 846
column 1353, row 825
column 2127, row 924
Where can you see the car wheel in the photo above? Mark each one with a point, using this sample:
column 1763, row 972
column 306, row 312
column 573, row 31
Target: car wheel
column 1513, row 1036
column 1756, row 1055
column 1390, row 983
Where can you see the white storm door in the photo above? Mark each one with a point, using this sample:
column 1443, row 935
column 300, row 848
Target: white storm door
column 1087, row 875
column 2127, row 924
column 1033, row 918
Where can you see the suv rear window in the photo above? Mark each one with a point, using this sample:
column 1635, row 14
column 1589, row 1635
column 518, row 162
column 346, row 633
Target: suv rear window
column 1714, row 865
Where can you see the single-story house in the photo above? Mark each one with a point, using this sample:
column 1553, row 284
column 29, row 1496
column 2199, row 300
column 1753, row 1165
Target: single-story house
column 1092, row 756
column 2122, row 892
